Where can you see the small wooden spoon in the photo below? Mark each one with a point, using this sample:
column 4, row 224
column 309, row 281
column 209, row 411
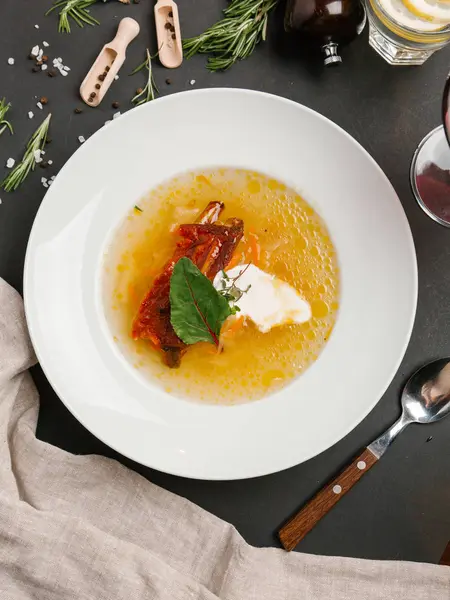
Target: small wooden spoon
column 105, row 68
column 170, row 49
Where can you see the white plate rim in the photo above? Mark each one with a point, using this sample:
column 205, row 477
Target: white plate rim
column 262, row 471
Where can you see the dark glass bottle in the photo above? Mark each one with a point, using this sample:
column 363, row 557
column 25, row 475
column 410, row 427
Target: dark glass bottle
column 327, row 24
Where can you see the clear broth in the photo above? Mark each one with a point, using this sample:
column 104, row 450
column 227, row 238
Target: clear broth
column 283, row 236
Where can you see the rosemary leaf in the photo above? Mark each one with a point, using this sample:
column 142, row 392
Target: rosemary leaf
column 73, row 9
column 150, row 90
column 28, row 163
column 4, row 124
column 235, row 36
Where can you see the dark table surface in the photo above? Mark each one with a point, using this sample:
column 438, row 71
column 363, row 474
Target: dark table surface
column 400, row 510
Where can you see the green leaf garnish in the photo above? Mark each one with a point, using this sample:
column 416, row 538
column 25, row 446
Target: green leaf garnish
column 197, row 310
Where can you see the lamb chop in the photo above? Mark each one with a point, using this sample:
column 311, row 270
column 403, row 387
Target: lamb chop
column 210, row 246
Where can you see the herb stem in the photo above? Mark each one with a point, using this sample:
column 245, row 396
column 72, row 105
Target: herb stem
column 4, row 124
column 235, row 36
column 28, row 163
column 74, row 9
column 150, row 90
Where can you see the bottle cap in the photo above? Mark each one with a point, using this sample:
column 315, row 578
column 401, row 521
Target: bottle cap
column 331, row 54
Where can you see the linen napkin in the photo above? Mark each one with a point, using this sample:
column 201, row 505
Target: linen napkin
column 86, row 528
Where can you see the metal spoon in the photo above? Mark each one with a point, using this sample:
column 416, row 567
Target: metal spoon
column 425, row 399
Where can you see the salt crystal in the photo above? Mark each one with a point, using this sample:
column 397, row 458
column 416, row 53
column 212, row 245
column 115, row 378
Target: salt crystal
column 45, row 44
column 116, row 77
column 116, row 115
column 10, row 61
column 39, row 105
column 35, row 51
column 59, row 59
column 40, row 54
column 37, row 156
column 36, row 26
column 10, row 163
column 192, row 82
column 66, row 68
column 44, row 67
column 106, row 122
column 50, row 162
column 30, row 115
column 81, row 139
column 63, row 73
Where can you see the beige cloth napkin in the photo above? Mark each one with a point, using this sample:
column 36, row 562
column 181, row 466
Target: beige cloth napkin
column 86, row 528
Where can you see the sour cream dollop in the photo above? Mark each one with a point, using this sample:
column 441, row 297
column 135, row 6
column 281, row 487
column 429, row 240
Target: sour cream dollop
column 269, row 301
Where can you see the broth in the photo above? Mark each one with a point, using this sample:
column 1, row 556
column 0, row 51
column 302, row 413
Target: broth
column 283, row 236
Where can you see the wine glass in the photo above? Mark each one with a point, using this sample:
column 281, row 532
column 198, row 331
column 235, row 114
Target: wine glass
column 430, row 168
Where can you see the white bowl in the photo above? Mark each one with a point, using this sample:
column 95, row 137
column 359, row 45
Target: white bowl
column 209, row 128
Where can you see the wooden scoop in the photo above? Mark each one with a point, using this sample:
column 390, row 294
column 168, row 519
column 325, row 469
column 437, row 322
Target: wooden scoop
column 108, row 63
column 170, row 50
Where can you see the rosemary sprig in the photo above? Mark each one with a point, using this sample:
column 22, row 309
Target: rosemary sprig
column 235, row 36
column 4, row 124
column 28, row 163
column 74, row 9
column 148, row 93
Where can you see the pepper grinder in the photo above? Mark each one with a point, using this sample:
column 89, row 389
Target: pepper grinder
column 327, row 24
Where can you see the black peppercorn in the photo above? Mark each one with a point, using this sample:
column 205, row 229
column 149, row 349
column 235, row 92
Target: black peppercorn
column 102, row 77
column 168, row 26
column 174, row 37
column 168, row 81
column 52, row 73
column 170, row 14
column 78, row 111
column 107, row 69
column 35, row 69
column 115, row 105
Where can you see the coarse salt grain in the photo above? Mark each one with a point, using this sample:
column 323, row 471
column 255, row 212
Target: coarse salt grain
column 10, row 61
column 66, row 68
column 192, row 82
column 39, row 105
column 10, row 163
column 116, row 115
column 81, row 139
column 40, row 55
column 44, row 67
column 106, row 122
column 36, row 26
column 37, row 156
column 44, row 182
column 35, row 51
column 50, row 162
column 30, row 114
column 45, row 44
column 116, row 77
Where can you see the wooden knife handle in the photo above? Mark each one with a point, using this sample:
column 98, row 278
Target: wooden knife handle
column 445, row 559
column 296, row 528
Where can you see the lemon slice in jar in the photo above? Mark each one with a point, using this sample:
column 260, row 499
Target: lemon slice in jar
column 399, row 13
column 437, row 12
